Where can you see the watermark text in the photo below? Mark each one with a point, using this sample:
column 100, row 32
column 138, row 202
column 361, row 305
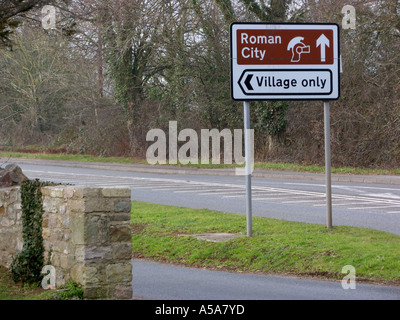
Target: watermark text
column 192, row 150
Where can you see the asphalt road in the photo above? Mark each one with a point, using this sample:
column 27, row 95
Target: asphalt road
column 154, row 281
column 294, row 198
column 375, row 206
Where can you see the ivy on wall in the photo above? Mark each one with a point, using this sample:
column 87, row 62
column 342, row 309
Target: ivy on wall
column 28, row 264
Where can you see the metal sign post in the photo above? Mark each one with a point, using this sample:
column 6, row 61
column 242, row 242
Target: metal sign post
column 247, row 143
column 328, row 164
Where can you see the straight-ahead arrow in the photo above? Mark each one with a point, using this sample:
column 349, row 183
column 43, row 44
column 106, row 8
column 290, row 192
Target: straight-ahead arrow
column 323, row 42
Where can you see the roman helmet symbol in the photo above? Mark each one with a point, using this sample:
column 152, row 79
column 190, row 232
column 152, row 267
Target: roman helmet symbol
column 297, row 47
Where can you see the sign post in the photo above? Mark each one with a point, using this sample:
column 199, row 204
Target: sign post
column 327, row 123
column 285, row 61
column 247, row 147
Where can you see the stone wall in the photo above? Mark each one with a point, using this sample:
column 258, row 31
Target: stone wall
column 87, row 236
column 10, row 224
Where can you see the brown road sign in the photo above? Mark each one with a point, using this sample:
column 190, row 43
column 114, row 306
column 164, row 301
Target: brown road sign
column 285, row 61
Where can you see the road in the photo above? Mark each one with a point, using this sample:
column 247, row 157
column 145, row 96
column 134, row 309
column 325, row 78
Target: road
column 294, row 198
column 156, row 281
column 375, row 206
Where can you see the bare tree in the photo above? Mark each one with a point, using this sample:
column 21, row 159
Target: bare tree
column 10, row 14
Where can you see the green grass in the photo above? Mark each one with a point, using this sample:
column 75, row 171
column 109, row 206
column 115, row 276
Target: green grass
column 260, row 165
column 321, row 169
column 18, row 291
column 9, row 290
column 69, row 157
column 164, row 233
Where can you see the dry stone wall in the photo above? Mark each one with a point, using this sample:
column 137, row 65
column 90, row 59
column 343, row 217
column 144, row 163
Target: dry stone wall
column 87, row 236
column 10, row 224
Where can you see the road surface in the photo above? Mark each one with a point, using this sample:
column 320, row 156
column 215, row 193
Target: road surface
column 156, row 281
column 375, row 206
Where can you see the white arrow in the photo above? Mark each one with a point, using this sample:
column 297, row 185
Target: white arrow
column 323, row 42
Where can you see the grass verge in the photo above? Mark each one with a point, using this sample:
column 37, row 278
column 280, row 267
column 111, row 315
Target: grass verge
column 9, row 290
column 259, row 165
column 70, row 157
column 164, row 233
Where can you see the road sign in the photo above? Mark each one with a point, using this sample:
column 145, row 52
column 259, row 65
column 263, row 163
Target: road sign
column 285, row 61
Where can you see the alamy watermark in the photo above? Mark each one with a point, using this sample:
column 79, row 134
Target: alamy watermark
column 49, row 17
column 49, row 279
column 349, row 19
column 349, row 281
column 189, row 151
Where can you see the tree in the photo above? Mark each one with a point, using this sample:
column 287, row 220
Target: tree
column 44, row 87
column 130, row 30
column 10, row 14
column 269, row 118
column 365, row 118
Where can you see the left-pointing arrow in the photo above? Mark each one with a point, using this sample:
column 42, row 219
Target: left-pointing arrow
column 247, row 82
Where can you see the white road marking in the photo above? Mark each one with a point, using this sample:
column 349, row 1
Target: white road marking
column 344, row 204
column 226, row 190
column 223, row 189
column 220, row 193
column 305, row 201
column 342, row 186
column 170, row 188
column 384, row 207
column 383, row 195
column 267, row 199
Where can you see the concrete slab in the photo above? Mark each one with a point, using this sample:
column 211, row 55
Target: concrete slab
column 217, row 237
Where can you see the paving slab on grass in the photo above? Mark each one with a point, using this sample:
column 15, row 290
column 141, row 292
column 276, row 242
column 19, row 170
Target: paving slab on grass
column 216, row 237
